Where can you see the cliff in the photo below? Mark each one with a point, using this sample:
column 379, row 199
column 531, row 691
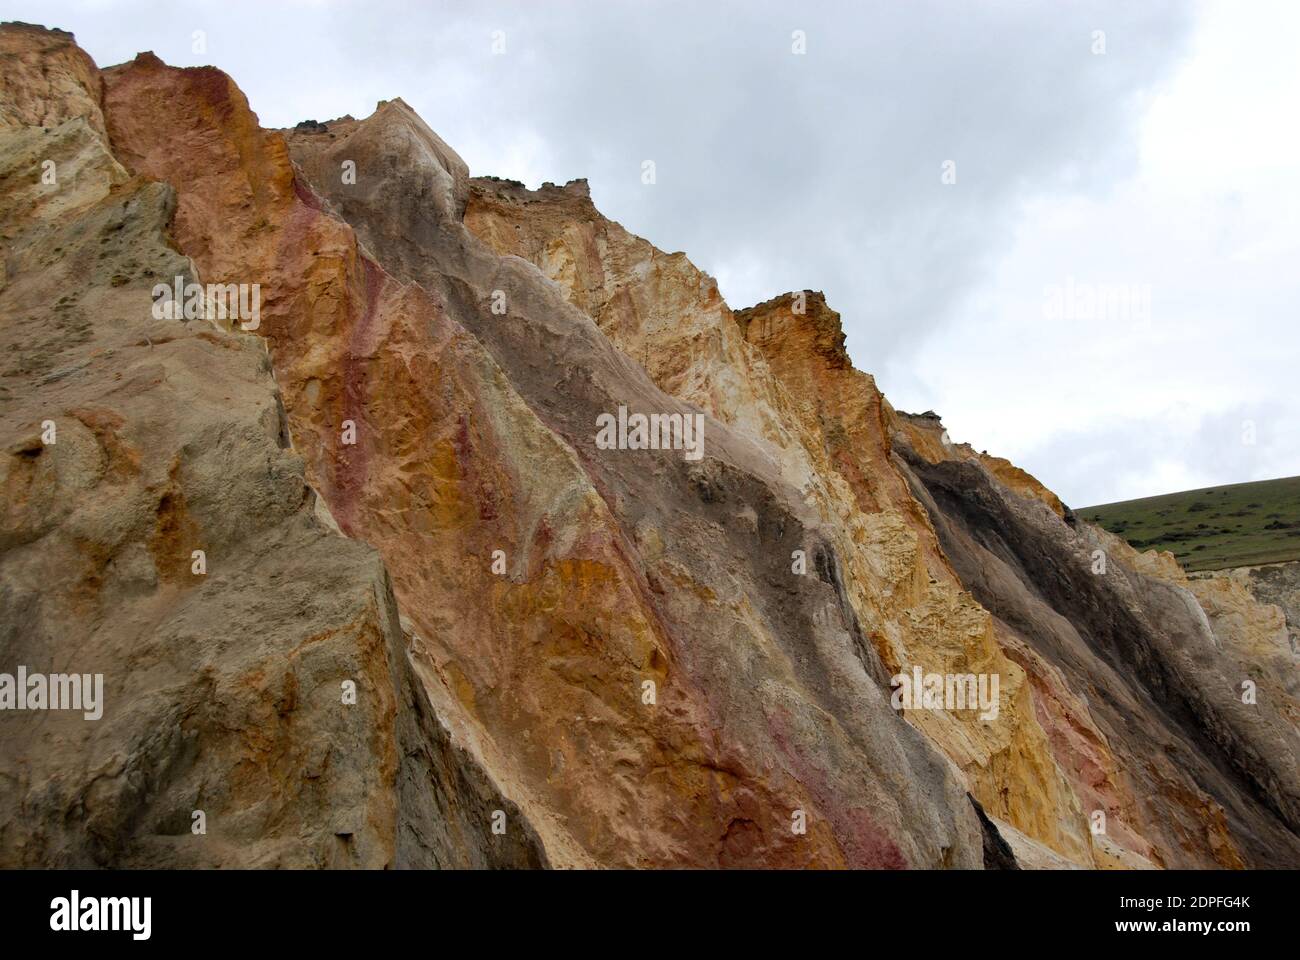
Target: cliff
column 562, row 654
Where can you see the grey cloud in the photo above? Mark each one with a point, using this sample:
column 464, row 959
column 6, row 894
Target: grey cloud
column 1102, row 465
column 822, row 169
column 775, row 171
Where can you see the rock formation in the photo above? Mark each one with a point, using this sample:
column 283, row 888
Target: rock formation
column 1271, row 585
column 439, row 624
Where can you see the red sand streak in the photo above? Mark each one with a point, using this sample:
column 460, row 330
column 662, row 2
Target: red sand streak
column 864, row 843
column 352, row 467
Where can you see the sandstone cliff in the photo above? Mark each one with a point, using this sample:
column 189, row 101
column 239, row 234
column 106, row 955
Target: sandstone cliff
column 563, row 655
column 129, row 444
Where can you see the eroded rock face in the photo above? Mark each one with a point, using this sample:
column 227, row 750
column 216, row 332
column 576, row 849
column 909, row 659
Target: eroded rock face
column 822, row 424
column 129, row 443
column 614, row 577
column 618, row 657
column 1205, row 779
column 45, row 79
column 1272, row 585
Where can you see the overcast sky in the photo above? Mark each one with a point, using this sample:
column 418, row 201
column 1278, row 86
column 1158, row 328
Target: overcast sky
column 1108, row 294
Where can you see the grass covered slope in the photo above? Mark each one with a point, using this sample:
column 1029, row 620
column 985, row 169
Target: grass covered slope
column 1241, row 524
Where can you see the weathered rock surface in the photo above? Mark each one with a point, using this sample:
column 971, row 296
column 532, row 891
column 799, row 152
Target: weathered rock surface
column 45, row 79
column 822, row 424
column 1204, row 778
column 222, row 690
column 466, row 446
column 612, row 655
column 1273, row 584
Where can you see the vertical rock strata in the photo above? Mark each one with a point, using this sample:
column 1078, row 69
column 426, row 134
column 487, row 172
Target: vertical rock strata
column 608, row 654
column 222, row 690
column 1210, row 780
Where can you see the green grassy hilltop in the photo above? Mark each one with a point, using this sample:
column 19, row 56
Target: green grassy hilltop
column 1241, row 524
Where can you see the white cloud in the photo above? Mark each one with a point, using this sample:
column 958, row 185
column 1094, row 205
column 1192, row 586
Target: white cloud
column 1207, row 222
